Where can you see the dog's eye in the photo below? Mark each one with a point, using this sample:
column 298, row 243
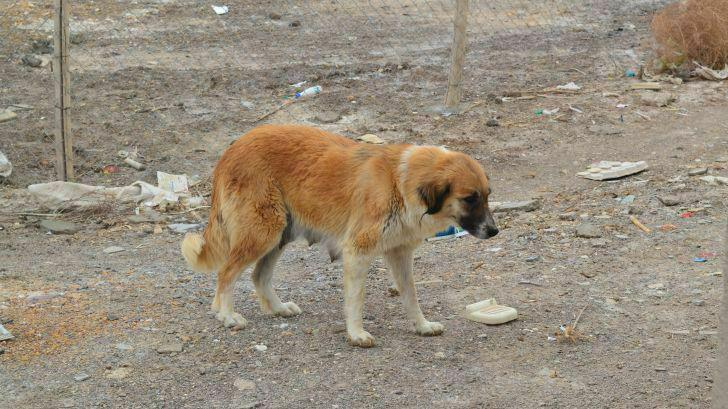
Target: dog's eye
column 472, row 199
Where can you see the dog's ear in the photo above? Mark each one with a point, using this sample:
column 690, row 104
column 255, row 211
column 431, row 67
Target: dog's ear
column 434, row 195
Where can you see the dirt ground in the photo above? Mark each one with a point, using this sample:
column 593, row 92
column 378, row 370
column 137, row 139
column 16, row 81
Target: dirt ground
column 177, row 83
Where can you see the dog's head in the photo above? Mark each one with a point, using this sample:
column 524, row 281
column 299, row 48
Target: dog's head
column 453, row 187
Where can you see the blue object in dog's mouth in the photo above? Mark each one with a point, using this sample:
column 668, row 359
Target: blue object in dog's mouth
column 451, row 231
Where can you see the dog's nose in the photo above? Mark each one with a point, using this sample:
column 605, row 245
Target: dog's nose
column 492, row 231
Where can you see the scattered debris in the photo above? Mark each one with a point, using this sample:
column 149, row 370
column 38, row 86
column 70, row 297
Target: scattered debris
column 5, row 334
column 6, row 168
column 569, row 87
column 219, row 10
column 109, row 169
column 450, row 232
column 130, row 159
column 310, row 91
column 490, row 313
column 700, row 259
column 59, row 227
column 653, row 86
column 569, row 332
column 711, row 74
column 606, row 170
column 639, row 224
column 371, row 138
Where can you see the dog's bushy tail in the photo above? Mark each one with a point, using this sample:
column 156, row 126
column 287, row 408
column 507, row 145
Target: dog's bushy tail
column 202, row 251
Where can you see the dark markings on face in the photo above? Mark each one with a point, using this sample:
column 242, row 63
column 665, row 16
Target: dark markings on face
column 474, row 212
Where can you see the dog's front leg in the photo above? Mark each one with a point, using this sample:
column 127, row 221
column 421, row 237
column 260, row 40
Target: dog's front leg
column 400, row 264
column 356, row 267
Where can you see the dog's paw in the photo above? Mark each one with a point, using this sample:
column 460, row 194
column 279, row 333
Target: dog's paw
column 287, row 309
column 362, row 339
column 430, row 329
column 233, row 320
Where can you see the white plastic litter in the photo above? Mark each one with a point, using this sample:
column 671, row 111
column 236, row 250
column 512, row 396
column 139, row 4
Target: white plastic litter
column 569, row 87
column 220, row 9
column 172, row 183
column 605, row 170
column 489, row 312
column 6, row 168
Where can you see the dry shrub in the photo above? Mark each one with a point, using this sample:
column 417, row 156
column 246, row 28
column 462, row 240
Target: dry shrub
column 693, row 30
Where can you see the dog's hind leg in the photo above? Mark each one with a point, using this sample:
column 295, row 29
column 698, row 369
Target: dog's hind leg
column 262, row 278
column 400, row 265
column 223, row 302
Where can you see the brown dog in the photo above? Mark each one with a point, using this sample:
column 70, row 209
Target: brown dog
column 278, row 183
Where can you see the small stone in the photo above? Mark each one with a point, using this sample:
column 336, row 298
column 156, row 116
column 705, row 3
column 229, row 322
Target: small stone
column 2, row 351
column 670, row 200
column 295, row 23
column 722, row 159
column 182, row 228
column 532, row 259
column 37, row 297
column 634, row 210
column 656, row 99
column 260, row 348
column 483, row 336
column 274, row 16
column 588, row 231
column 110, row 316
column 244, row 385
column 697, row 303
column 440, row 355
column 629, row 199
column 81, row 377
column 523, row 206
column 588, row 273
column 170, row 348
column 6, row 116
column 327, row 117
column 113, row 249
column 492, row 123
column 605, row 130
column 661, row 369
column 124, row 347
column 44, row 46
column 599, row 243
column 656, row 286
column 59, row 227
column 697, row 171
column 371, row 138
column 119, row 373
column 31, row 61
column 707, row 332
column 251, row 405
column 570, row 216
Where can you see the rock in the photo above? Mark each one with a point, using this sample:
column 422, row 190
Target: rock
column 31, row 60
column 274, row 16
column 6, row 116
column 715, row 180
column 37, row 297
column 247, row 104
column 260, row 348
column 670, row 200
column 629, row 199
column 119, row 373
column 588, row 273
column 327, row 117
column 722, row 159
column 2, row 351
column 43, row 46
column 371, row 138
column 532, row 259
column 440, row 355
column 656, row 99
column 679, row 332
column 123, row 347
column 588, row 231
column 110, row 316
column 170, row 348
column 605, row 130
column 182, row 228
column 599, row 243
column 634, row 210
column 81, row 377
column 147, row 217
column 6, row 168
column 697, row 171
column 113, row 249
column 295, row 23
column 244, row 385
column 524, row 206
column 697, row 303
column 492, row 123
column 59, row 227
column 570, row 216
column 656, row 286
column 251, row 405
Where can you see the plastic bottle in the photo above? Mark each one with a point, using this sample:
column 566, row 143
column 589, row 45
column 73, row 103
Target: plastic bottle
column 309, row 91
